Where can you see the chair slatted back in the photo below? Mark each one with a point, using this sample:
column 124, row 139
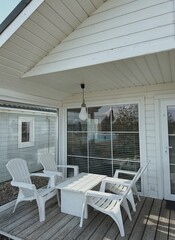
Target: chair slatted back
column 18, row 169
column 134, row 180
column 48, row 162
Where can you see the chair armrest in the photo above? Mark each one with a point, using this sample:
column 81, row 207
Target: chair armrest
column 92, row 193
column 125, row 172
column 23, row 185
column 118, row 181
column 75, row 167
column 39, row 175
column 52, row 173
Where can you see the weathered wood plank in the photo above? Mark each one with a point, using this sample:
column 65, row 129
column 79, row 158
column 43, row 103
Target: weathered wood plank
column 91, row 228
column 145, row 222
column 33, row 222
column 20, row 212
column 140, row 225
column 172, row 225
column 102, row 229
column 163, row 222
column 151, row 225
column 55, row 226
column 129, row 225
column 77, row 231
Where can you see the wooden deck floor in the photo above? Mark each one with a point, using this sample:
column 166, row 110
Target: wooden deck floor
column 151, row 221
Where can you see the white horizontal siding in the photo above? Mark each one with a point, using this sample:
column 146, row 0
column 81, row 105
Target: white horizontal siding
column 141, row 24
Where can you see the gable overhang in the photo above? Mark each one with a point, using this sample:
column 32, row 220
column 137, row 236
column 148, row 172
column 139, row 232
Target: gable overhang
column 113, row 33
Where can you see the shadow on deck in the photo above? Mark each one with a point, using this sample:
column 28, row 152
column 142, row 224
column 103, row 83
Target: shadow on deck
column 152, row 220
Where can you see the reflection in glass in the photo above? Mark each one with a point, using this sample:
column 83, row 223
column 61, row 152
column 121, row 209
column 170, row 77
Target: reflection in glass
column 73, row 121
column 126, row 145
column 99, row 117
column 171, row 120
column 172, row 148
column 125, row 118
column 82, row 162
column 25, row 132
column 172, row 178
column 100, row 144
column 100, row 166
column 77, row 143
column 171, row 138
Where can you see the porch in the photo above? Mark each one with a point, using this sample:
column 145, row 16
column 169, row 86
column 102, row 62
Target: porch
column 152, row 220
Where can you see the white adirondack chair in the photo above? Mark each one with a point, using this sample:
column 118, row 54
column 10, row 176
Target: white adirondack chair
column 119, row 185
column 27, row 191
column 109, row 203
column 53, row 170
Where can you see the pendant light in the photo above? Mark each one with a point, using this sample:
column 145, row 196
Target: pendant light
column 83, row 113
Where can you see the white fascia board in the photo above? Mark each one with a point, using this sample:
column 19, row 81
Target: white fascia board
column 19, row 20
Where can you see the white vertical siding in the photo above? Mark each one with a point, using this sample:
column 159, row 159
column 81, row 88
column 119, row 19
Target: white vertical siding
column 152, row 183
column 115, row 31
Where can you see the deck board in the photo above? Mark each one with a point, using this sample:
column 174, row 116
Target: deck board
column 172, row 226
column 152, row 220
column 151, row 225
column 163, row 223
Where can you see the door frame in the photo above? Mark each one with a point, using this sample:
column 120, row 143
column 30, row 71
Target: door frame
column 165, row 148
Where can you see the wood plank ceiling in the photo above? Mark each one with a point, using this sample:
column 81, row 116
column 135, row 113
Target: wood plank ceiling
column 47, row 27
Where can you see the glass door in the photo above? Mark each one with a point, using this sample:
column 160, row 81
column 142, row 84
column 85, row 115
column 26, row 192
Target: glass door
column 168, row 138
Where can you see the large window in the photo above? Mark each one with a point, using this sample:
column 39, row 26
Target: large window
column 107, row 141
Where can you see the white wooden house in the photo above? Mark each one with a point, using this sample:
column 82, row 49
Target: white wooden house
column 122, row 50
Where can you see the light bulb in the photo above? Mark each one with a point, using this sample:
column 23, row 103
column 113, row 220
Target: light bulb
column 83, row 114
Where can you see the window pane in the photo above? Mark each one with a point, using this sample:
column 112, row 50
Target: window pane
column 125, row 118
column 100, row 144
column 100, row 166
column 171, row 120
column 77, row 143
column 101, row 117
column 25, row 132
column 172, row 178
column 126, row 145
column 80, row 161
column 73, row 121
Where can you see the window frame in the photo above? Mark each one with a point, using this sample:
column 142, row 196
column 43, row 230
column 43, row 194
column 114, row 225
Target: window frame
column 29, row 143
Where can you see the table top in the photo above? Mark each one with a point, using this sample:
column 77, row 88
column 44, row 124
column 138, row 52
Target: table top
column 81, row 183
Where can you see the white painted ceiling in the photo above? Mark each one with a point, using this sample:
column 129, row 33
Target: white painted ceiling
column 50, row 24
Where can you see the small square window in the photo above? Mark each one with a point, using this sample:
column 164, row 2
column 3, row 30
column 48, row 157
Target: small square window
column 25, row 132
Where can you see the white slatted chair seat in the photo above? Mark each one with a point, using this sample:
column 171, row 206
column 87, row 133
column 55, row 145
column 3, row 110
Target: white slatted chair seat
column 52, row 169
column 27, row 191
column 109, row 203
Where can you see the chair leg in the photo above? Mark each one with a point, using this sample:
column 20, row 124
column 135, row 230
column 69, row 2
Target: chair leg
column 18, row 200
column 126, row 207
column 41, row 208
column 16, row 203
column 119, row 221
column 131, row 200
column 136, row 192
